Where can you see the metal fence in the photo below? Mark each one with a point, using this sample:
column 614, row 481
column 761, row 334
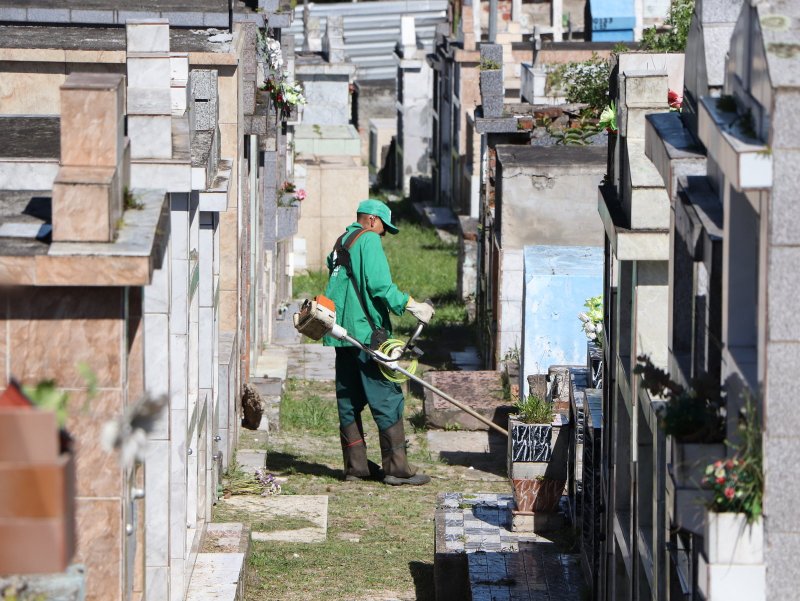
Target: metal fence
column 371, row 30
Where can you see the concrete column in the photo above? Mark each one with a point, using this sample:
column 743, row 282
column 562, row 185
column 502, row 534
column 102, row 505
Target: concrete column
column 179, row 391
column 492, row 21
column 333, row 40
column 556, row 18
column 157, row 304
column 149, row 89
column 312, row 38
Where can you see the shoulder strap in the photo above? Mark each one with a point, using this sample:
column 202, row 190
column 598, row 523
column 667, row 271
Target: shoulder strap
column 342, row 253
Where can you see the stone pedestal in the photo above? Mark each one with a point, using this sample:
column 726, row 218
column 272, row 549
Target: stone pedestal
column 88, row 193
column 149, row 89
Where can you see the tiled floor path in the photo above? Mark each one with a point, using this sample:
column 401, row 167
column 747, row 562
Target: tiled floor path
column 505, row 565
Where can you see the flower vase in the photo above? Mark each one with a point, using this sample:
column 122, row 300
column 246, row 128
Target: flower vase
column 734, row 550
column 537, row 467
column 730, row 539
column 594, row 363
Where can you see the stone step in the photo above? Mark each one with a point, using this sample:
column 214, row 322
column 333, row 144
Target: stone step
column 251, row 460
column 536, row 572
column 310, row 513
column 217, row 577
column 219, row 573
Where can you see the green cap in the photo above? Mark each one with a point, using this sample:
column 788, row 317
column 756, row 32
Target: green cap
column 379, row 209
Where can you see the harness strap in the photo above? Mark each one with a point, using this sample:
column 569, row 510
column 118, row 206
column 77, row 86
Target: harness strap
column 342, row 259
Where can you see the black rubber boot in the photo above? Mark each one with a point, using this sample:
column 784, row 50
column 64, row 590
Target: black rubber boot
column 354, row 450
column 393, row 455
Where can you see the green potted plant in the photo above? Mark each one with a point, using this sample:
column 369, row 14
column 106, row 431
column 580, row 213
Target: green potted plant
column 538, row 450
column 692, row 416
column 734, row 530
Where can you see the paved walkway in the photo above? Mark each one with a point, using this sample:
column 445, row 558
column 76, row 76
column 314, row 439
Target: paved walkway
column 504, row 565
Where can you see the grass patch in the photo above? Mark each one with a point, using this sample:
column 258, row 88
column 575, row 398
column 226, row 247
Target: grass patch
column 282, row 523
column 310, row 284
column 393, row 527
column 309, row 407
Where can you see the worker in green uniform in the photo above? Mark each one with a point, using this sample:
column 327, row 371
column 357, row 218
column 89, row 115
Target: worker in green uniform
column 361, row 287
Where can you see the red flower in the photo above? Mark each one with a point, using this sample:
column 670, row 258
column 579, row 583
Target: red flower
column 720, row 480
column 674, row 100
column 729, row 464
column 729, row 493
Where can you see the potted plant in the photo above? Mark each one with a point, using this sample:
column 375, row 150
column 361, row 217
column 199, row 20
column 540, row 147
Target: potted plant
column 592, row 326
column 37, row 480
column 538, row 449
column 290, row 196
column 734, row 531
column 692, row 416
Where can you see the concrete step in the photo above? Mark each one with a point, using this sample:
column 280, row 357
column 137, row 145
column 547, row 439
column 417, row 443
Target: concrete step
column 217, row 577
column 220, row 570
column 272, row 363
column 251, row 460
column 309, row 512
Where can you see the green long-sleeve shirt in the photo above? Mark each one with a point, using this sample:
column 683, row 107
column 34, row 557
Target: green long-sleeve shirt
column 374, row 281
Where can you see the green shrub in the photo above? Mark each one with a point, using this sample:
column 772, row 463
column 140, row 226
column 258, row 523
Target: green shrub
column 674, row 38
column 585, row 82
column 534, row 410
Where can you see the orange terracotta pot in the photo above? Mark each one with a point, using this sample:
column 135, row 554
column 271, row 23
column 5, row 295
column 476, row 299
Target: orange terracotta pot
column 27, row 435
column 37, row 515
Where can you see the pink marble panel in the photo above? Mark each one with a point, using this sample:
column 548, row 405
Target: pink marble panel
column 52, row 330
column 99, row 474
column 100, row 539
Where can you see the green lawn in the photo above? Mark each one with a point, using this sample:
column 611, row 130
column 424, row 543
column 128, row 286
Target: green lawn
column 380, row 538
column 426, row 267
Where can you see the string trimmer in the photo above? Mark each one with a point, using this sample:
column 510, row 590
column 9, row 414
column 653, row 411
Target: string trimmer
column 317, row 317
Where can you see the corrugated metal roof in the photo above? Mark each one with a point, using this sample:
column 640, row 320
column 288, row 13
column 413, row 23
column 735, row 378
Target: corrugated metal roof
column 372, row 29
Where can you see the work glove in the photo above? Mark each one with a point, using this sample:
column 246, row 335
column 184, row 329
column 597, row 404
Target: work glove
column 422, row 311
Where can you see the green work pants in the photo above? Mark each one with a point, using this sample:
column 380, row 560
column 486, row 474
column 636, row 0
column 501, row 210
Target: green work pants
column 359, row 383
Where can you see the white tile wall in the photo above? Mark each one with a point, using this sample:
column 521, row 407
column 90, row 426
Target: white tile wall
column 149, row 71
column 157, row 579
column 151, row 136
column 156, row 503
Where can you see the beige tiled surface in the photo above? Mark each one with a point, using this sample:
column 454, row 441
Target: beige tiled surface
column 33, row 92
column 98, row 474
column 3, row 344
column 99, row 522
column 73, row 203
column 92, row 271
